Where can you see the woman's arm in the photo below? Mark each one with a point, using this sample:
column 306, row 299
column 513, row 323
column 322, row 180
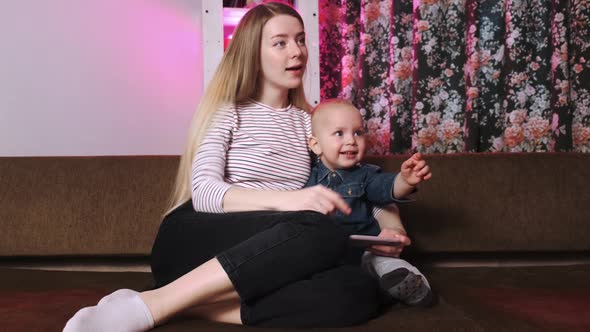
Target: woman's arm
column 316, row 198
column 391, row 228
column 211, row 193
column 388, row 217
column 208, row 167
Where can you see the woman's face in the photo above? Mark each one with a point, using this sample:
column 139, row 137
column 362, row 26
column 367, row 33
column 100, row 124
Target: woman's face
column 283, row 54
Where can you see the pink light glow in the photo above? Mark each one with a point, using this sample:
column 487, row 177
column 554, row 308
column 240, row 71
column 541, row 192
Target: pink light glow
column 231, row 18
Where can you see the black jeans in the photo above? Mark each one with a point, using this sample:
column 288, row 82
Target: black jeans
column 287, row 267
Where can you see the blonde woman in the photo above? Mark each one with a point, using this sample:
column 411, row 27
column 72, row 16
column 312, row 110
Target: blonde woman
column 242, row 242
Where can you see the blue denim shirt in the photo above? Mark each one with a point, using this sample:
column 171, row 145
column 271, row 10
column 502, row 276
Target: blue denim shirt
column 362, row 187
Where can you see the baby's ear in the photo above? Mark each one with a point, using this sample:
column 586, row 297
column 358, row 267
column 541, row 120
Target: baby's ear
column 314, row 145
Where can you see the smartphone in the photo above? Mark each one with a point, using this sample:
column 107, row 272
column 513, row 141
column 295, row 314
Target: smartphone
column 368, row 240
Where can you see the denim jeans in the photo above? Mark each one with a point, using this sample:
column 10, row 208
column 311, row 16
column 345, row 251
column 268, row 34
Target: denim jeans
column 287, row 267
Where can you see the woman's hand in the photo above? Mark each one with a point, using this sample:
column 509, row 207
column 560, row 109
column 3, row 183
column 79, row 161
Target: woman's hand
column 389, row 251
column 317, row 198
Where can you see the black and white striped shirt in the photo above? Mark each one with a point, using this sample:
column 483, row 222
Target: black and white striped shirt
column 251, row 145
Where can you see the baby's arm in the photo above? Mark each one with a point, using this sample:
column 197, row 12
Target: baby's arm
column 413, row 171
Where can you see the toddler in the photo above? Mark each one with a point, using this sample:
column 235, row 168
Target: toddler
column 338, row 141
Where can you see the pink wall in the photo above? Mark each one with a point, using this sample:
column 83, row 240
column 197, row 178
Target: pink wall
column 102, row 77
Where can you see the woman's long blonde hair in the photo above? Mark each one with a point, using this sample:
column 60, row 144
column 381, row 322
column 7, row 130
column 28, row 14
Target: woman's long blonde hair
column 235, row 80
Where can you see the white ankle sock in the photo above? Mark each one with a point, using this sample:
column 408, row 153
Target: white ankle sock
column 121, row 293
column 124, row 314
column 380, row 265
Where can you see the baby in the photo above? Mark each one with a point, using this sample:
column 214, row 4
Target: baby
column 339, row 142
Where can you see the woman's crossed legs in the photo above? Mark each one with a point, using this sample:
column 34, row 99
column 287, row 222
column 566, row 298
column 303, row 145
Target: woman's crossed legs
column 256, row 268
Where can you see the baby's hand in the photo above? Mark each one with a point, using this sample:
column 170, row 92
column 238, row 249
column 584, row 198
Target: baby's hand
column 414, row 170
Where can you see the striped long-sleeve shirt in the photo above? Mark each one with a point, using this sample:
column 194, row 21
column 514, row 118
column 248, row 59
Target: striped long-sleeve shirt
column 251, row 145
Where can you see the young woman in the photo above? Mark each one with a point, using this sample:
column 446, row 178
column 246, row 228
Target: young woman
column 242, row 242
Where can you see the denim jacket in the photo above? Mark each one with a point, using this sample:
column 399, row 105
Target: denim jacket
column 362, row 187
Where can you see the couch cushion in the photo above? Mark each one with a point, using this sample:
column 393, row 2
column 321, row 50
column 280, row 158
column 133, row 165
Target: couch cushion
column 471, row 299
column 82, row 205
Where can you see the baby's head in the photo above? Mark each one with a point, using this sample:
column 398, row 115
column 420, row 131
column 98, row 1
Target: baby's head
column 338, row 134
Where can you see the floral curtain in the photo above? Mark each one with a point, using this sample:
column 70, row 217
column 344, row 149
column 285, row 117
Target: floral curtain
column 445, row 76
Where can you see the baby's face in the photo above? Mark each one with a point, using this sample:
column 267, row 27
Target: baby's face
column 340, row 135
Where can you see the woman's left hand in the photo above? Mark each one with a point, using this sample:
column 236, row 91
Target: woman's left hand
column 391, row 251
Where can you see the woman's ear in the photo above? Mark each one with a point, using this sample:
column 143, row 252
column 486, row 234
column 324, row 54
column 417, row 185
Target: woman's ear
column 314, row 145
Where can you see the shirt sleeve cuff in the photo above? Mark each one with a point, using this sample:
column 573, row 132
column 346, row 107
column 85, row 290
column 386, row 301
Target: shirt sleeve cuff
column 212, row 198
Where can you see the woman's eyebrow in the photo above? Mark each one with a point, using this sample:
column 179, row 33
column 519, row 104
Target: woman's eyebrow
column 285, row 35
column 280, row 35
